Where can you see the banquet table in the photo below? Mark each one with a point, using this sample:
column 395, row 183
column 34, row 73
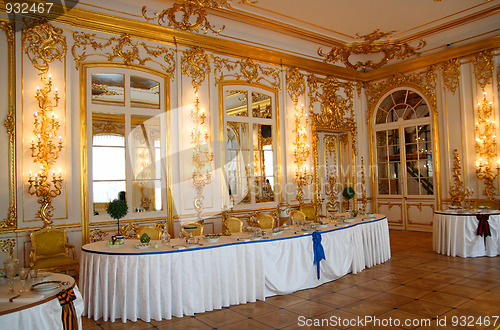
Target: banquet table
column 455, row 234
column 128, row 283
column 36, row 310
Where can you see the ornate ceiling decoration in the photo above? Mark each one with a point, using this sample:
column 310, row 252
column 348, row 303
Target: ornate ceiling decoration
column 371, row 45
column 194, row 15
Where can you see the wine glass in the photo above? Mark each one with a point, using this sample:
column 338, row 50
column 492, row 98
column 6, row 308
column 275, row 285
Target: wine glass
column 33, row 275
column 11, row 266
column 23, row 276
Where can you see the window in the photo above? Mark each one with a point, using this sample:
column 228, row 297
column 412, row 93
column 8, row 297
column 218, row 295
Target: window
column 127, row 125
column 249, row 126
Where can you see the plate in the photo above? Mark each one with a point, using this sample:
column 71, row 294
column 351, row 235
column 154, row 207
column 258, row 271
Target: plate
column 141, row 247
column 190, row 246
column 46, row 286
column 349, row 220
column 275, row 233
column 114, row 246
column 307, row 230
column 211, row 239
column 255, row 238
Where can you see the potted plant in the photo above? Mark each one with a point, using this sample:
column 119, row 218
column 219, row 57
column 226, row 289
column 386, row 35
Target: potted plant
column 117, row 209
column 349, row 194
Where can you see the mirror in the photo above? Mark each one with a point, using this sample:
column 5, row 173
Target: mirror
column 108, row 89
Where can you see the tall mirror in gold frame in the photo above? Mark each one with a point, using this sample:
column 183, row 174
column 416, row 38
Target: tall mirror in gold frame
column 250, row 135
column 126, row 126
column 334, row 144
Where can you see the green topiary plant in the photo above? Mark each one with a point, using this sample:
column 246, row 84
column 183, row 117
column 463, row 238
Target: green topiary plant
column 348, row 194
column 117, row 209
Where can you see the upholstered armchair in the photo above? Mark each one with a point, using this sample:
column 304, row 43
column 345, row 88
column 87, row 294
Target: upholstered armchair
column 197, row 232
column 50, row 251
column 265, row 221
column 152, row 231
column 297, row 216
column 233, row 225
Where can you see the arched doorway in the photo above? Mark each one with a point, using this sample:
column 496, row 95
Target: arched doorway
column 405, row 188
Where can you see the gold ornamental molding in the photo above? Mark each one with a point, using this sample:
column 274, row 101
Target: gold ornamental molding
column 483, row 68
column 458, row 192
column 194, row 15
column 122, row 48
column 451, row 75
column 371, row 45
column 196, row 64
column 295, row 84
column 249, row 71
column 43, row 43
column 10, row 221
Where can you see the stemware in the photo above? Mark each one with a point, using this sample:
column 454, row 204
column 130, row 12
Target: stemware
column 23, row 276
column 11, row 266
column 33, row 275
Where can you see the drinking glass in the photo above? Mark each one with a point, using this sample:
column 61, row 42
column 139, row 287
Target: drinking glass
column 23, row 276
column 33, row 275
column 11, row 271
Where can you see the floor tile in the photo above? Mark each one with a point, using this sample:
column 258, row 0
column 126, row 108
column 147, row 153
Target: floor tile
column 278, row 319
column 220, row 318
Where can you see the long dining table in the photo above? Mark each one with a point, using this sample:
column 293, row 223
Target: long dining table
column 157, row 283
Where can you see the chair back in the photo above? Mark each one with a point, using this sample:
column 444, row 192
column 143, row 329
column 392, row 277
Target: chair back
column 298, row 215
column 493, row 205
column 197, row 232
column 309, row 211
column 265, row 221
column 233, row 225
column 49, row 242
column 153, row 232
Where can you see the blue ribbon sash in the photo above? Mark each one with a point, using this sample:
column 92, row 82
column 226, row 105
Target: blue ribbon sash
column 319, row 252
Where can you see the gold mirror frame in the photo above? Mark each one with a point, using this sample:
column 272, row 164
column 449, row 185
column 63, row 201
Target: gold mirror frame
column 430, row 97
column 84, row 146
column 9, row 223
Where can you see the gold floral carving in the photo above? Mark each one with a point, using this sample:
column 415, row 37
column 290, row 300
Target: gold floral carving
column 483, row 68
column 363, row 198
column 43, row 43
column 451, row 74
column 97, row 235
column 102, row 127
column 7, row 246
column 194, row 15
column 250, row 71
column 458, row 192
column 124, row 48
column 196, row 64
column 295, row 84
column 425, row 81
column 10, row 221
column 372, row 45
column 332, row 188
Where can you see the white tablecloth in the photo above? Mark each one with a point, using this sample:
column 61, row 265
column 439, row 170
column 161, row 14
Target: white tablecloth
column 45, row 316
column 132, row 284
column 455, row 235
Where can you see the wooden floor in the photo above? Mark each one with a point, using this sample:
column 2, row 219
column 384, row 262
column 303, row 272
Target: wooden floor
column 416, row 288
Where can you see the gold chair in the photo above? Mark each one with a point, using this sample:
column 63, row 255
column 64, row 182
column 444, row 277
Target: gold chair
column 233, row 225
column 297, row 216
column 152, row 231
column 493, row 205
column 265, row 221
column 197, row 232
column 309, row 211
column 50, row 251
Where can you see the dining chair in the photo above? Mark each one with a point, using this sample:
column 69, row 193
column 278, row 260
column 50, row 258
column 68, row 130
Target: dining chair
column 152, row 231
column 265, row 221
column 309, row 211
column 50, row 251
column 233, row 225
column 197, row 232
column 297, row 215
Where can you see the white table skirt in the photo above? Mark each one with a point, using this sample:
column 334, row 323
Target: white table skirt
column 158, row 284
column 455, row 235
column 44, row 316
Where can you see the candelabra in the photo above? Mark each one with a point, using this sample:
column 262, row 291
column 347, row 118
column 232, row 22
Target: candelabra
column 302, row 150
column 201, row 156
column 486, row 147
column 45, row 184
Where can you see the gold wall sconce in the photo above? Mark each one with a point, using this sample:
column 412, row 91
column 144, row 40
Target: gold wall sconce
column 486, row 147
column 301, row 153
column 201, row 156
column 46, row 184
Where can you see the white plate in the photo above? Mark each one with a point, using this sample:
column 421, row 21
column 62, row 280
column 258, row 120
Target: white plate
column 114, row 246
column 46, row 286
column 190, row 246
column 141, row 247
column 255, row 238
column 211, row 240
column 307, row 230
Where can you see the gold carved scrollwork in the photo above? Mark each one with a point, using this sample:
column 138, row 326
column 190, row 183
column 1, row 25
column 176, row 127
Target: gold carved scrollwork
column 295, row 84
column 43, row 43
column 332, row 188
column 451, row 74
column 10, row 221
column 194, row 15
column 372, row 45
column 196, row 64
column 123, row 47
column 424, row 80
column 250, row 72
column 7, row 245
column 458, row 192
column 483, row 68
column 97, row 235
